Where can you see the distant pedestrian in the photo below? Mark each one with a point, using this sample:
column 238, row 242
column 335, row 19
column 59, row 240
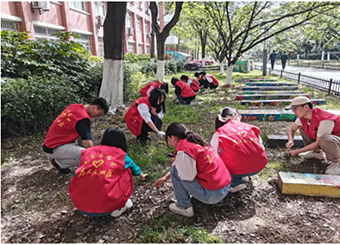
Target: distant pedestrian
column 284, row 58
column 272, row 58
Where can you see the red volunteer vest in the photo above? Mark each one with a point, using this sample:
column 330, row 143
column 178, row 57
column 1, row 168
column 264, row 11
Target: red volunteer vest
column 146, row 88
column 62, row 130
column 241, row 151
column 101, row 184
column 211, row 171
column 318, row 116
column 194, row 85
column 215, row 81
column 133, row 119
column 186, row 91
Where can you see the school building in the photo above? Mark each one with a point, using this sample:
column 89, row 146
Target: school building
column 86, row 19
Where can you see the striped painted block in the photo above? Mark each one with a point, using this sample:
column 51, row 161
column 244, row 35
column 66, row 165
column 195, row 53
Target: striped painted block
column 270, row 88
column 277, row 102
column 281, row 140
column 255, row 80
column 261, row 92
column 269, row 96
column 309, row 184
column 270, row 84
column 267, row 115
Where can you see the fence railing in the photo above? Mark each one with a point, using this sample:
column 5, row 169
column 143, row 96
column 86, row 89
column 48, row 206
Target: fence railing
column 329, row 85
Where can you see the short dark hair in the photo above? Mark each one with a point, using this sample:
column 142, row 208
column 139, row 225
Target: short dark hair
column 203, row 73
column 196, row 74
column 155, row 95
column 184, row 78
column 101, row 103
column 180, row 131
column 114, row 137
column 310, row 105
column 174, row 80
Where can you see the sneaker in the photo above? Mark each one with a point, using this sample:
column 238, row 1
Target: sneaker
column 333, row 168
column 312, row 154
column 187, row 212
column 246, row 179
column 61, row 170
column 237, row 188
column 118, row 212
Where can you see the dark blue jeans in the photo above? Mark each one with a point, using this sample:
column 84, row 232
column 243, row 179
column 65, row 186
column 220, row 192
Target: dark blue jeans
column 185, row 100
column 237, row 178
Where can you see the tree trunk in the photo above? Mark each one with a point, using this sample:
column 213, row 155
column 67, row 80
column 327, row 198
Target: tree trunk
column 221, row 67
column 229, row 73
column 152, row 55
column 113, row 75
column 160, row 58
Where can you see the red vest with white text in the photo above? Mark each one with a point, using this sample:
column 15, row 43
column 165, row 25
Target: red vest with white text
column 194, row 85
column 63, row 129
column 101, row 183
column 241, row 151
column 318, row 116
column 211, row 171
column 186, row 91
column 215, row 81
column 144, row 90
column 133, row 119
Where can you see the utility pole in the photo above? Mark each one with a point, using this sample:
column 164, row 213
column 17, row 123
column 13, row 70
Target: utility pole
column 265, row 55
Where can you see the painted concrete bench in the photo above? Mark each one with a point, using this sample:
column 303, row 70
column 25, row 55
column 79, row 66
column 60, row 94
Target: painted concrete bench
column 267, row 115
column 271, row 92
column 270, row 84
column 255, row 80
column 281, row 140
column 270, row 88
column 269, row 96
column 309, row 184
column 277, row 102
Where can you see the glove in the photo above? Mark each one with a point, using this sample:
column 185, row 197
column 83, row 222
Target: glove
column 161, row 133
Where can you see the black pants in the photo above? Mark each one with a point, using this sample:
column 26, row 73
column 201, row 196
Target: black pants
column 204, row 83
column 283, row 64
column 145, row 128
column 185, row 100
column 212, row 86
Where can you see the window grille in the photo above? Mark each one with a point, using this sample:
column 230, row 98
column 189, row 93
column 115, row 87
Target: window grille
column 8, row 25
column 45, row 33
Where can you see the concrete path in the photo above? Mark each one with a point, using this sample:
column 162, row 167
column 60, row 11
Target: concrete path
column 309, row 71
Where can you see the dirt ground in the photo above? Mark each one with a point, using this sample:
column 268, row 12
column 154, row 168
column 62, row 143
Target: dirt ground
column 36, row 208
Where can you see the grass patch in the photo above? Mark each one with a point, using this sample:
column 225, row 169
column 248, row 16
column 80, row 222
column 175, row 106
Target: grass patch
column 170, row 229
column 273, row 168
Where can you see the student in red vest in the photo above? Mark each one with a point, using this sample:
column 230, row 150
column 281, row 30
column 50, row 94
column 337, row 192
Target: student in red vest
column 103, row 183
column 320, row 131
column 146, row 114
column 210, row 80
column 202, row 82
column 197, row 170
column 240, row 147
column 184, row 93
column 191, row 82
column 73, row 122
column 145, row 91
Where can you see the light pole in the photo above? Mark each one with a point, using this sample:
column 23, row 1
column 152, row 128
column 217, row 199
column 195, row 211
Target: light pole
column 265, row 55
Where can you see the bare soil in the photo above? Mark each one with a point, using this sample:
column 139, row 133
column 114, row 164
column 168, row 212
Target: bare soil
column 36, row 208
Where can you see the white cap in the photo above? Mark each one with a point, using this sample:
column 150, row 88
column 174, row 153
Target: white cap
column 301, row 100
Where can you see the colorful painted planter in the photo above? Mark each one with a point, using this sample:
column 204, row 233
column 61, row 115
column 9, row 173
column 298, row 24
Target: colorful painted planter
column 269, row 96
column 277, row 102
column 270, row 84
column 270, row 88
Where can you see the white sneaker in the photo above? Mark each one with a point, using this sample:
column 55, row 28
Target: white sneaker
column 188, row 212
column 312, row 154
column 118, row 212
column 333, row 168
column 246, row 179
column 237, row 188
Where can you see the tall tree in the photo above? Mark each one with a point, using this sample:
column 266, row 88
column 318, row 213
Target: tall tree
column 243, row 25
column 161, row 35
column 113, row 74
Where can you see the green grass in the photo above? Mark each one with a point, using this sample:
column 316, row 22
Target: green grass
column 168, row 228
column 272, row 168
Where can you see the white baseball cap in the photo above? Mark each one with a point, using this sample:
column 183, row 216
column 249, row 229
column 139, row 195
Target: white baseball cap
column 301, row 100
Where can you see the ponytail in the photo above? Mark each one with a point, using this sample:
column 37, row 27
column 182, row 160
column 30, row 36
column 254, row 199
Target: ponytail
column 181, row 132
column 224, row 117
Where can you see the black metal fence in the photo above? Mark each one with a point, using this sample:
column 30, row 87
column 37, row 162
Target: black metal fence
column 329, row 85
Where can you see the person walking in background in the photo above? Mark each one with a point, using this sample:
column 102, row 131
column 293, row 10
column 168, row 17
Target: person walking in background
column 272, row 58
column 103, row 183
column 145, row 115
column 72, row 122
column 197, row 171
column 284, row 58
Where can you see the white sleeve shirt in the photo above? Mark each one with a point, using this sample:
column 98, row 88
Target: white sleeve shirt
column 186, row 166
column 144, row 112
column 325, row 127
column 214, row 142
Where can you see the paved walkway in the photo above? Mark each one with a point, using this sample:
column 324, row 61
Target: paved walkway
column 309, row 71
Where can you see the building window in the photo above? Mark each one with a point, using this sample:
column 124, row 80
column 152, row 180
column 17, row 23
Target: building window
column 128, row 20
column 147, row 49
column 101, row 46
column 8, row 25
column 100, row 8
column 83, row 40
column 145, row 5
column 140, row 48
column 45, row 33
column 78, row 5
column 146, row 27
column 131, row 48
column 139, row 26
